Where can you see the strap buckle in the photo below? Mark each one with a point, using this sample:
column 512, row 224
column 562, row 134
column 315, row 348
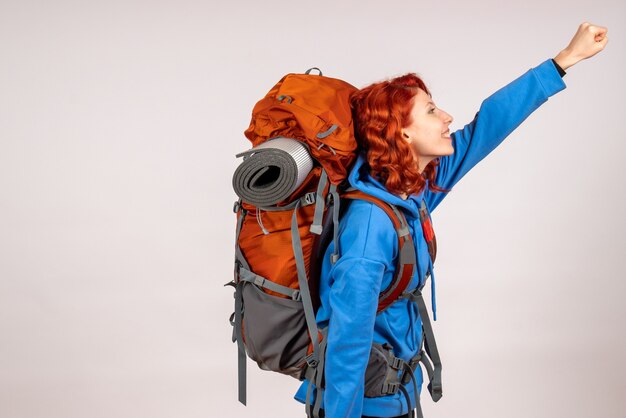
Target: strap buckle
column 390, row 388
column 415, row 360
column 412, row 295
column 311, row 360
column 308, row 199
column 412, row 364
column 259, row 281
column 397, row 363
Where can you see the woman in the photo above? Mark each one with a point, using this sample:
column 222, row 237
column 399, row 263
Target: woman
column 409, row 158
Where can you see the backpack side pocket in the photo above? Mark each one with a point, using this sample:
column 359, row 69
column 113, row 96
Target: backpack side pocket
column 274, row 331
column 381, row 375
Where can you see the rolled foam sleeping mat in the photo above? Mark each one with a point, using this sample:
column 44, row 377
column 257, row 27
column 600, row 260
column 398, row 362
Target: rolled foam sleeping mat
column 272, row 171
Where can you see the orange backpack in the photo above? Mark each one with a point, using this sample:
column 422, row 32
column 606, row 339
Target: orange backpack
column 283, row 231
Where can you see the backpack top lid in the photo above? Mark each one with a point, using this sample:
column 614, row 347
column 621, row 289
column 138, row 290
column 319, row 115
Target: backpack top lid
column 315, row 110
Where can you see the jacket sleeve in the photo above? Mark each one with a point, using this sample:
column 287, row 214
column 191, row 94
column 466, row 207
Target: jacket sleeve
column 497, row 117
column 367, row 249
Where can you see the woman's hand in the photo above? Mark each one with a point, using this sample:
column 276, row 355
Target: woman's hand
column 587, row 42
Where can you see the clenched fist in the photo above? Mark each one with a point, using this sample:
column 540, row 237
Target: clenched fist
column 587, row 42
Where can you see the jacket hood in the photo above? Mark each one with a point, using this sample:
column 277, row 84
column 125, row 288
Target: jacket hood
column 361, row 179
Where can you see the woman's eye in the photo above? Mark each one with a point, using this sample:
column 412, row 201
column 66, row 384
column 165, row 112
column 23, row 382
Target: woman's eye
column 432, row 110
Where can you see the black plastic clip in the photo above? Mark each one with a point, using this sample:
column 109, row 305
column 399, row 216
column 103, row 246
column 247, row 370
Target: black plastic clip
column 397, row 363
column 390, row 388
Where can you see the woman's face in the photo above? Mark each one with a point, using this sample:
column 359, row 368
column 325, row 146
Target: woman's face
column 429, row 133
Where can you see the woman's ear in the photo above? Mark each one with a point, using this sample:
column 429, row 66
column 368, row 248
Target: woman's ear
column 405, row 135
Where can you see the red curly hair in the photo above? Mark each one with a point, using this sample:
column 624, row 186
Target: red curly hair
column 380, row 111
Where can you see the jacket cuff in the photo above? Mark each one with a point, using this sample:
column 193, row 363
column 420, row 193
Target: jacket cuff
column 549, row 77
column 559, row 69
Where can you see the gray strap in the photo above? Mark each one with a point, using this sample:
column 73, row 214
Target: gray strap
column 309, row 314
column 407, row 254
column 246, row 275
column 403, row 231
column 406, row 257
column 407, row 397
column 418, row 406
column 240, row 262
column 238, row 254
column 414, row 363
column 429, row 367
column 307, row 405
column 241, row 352
column 434, row 387
column 316, row 226
column 306, row 200
column 329, row 131
column 309, row 374
column 319, row 376
column 404, row 228
column 318, row 401
column 336, row 206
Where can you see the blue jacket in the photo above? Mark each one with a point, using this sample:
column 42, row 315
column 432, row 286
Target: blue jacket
column 349, row 289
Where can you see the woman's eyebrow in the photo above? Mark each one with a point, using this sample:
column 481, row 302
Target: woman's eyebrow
column 429, row 103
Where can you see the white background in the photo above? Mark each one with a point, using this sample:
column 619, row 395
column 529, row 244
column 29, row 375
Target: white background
column 119, row 122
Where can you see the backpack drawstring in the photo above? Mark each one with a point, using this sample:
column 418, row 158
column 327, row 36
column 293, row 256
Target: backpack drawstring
column 327, row 146
column 433, row 299
column 260, row 222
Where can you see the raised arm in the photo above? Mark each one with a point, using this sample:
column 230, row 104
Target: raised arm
column 497, row 117
column 508, row 107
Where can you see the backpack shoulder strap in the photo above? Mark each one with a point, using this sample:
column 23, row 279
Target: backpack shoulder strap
column 406, row 249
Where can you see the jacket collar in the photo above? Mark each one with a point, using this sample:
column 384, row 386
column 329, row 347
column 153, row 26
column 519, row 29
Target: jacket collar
column 361, row 179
